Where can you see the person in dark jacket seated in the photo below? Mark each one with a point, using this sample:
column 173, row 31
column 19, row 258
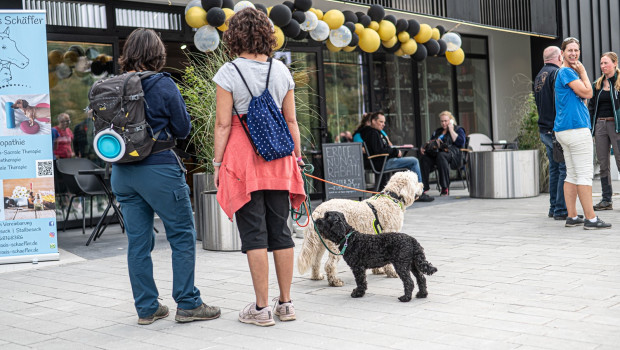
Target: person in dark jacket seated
column 444, row 151
column 378, row 143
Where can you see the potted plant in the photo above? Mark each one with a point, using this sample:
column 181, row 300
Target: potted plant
column 528, row 137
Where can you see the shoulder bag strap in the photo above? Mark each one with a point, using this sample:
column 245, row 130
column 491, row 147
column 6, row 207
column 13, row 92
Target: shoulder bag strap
column 242, row 78
column 243, row 120
column 268, row 72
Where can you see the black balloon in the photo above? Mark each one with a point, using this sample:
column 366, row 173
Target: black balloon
column 209, row 4
column 365, row 20
column 355, row 39
column 420, row 54
column 432, row 47
column 442, row 47
column 349, row 16
column 359, row 16
column 303, row 5
column 390, row 18
column 228, row 4
column 216, row 17
column 280, row 15
column 77, row 49
column 376, row 12
column 441, row 29
column 292, row 29
column 299, row 16
column 302, row 35
column 393, row 48
column 262, row 8
column 290, row 5
column 402, row 25
column 350, row 25
column 97, row 67
column 414, row 27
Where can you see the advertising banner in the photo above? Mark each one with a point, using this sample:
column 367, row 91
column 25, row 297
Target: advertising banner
column 28, row 216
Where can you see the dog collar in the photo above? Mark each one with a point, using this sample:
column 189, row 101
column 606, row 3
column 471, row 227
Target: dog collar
column 345, row 241
column 393, row 197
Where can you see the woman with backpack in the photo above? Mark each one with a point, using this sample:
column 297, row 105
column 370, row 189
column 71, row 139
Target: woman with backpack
column 156, row 184
column 255, row 190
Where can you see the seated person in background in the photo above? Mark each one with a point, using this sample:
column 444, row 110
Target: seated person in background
column 377, row 143
column 446, row 142
column 366, row 122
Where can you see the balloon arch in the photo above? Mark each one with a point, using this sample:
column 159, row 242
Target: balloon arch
column 340, row 30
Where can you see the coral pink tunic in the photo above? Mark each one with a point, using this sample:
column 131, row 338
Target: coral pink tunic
column 243, row 172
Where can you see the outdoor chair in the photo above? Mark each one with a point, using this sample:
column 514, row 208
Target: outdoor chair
column 461, row 171
column 380, row 174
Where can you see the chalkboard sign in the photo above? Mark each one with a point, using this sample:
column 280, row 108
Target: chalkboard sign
column 343, row 164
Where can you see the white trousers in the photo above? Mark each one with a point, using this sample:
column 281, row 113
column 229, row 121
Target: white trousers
column 578, row 152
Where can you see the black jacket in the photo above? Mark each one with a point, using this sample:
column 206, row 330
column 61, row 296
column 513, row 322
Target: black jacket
column 544, row 93
column 376, row 143
column 593, row 103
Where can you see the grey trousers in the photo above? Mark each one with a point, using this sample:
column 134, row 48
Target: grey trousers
column 606, row 137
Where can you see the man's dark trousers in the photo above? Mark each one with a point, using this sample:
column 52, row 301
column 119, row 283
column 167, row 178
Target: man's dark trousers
column 557, row 175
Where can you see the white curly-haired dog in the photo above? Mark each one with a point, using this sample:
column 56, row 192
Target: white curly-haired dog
column 389, row 208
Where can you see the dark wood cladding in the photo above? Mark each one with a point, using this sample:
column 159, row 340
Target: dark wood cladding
column 512, row 14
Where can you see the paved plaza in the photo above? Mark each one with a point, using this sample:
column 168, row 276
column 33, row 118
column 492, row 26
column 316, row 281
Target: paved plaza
column 509, row 278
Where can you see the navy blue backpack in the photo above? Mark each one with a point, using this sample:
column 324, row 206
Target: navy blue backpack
column 265, row 125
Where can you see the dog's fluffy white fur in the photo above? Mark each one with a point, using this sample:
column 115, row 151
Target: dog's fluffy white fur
column 359, row 215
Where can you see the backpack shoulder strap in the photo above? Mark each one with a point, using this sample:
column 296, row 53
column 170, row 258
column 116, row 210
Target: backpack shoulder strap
column 268, row 72
column 242, row 78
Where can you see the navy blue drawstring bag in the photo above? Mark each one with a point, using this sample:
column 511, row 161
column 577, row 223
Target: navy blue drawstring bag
column 265, row 125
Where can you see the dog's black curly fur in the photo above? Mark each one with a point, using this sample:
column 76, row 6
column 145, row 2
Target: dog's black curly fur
column 371, row 251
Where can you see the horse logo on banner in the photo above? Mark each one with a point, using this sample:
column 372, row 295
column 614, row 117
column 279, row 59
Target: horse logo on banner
column 10, row 55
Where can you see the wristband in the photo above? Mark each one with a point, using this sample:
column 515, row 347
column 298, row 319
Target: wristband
column 216, row 164
column 299, row 159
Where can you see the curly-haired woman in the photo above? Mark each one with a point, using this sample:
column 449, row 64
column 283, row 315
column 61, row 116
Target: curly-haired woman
column 165, row 192
column 604, row 109
column 255, row 190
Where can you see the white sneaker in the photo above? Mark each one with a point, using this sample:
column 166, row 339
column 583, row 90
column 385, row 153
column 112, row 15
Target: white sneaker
column 261, row 318
column 284, row 311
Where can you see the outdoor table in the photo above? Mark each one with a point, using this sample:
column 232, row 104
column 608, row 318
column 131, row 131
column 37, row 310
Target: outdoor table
column 102, row 224
column 405, row 148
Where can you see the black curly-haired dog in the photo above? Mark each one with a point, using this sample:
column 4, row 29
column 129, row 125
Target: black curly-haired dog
column 362, row 252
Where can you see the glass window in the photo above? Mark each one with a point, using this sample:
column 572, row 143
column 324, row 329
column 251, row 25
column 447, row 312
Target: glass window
column 435, row 81
column 473, row 96
column 344, row 92
column 393, row 94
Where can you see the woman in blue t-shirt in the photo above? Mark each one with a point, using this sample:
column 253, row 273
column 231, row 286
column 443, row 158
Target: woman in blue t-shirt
column 572, row 129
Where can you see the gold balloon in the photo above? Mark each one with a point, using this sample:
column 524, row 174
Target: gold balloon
column 229, row 13
column 369, row 40
column 318, row 13
column 403, row 37
column 359, row 28
column 390, row 42
column 196, row 17
column 455, row 57
column 331, row 46
column 268, row 10
column 399, row 52
column 424, row 34
column 279, row 37
column 435, row 35
column 349, row 48
column 334, row 19
column 54, row 58
column 386, row 30
column 70, row 58
column 409, row 47
column 374, row 25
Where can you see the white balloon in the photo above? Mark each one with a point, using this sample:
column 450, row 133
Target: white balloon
column 243, row 5
column 453, row 41
column 193, row 3
column 321, row 32
column 340, row 37
column 311, row 21
column 206, row 38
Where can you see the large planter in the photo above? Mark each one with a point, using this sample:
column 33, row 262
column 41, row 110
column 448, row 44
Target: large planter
column 202, row 182
column 504, row 174
column 219, row 232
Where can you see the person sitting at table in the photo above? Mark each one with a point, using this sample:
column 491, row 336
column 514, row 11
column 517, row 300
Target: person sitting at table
column 443, row 151
column 366, row 122
column 377, row 143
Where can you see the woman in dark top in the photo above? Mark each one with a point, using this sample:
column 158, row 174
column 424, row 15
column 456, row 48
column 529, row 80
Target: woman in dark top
column 157, row 185
column 604, row 115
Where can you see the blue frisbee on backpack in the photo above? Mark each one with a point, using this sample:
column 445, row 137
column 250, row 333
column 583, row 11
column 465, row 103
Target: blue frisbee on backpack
column 109, row 145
